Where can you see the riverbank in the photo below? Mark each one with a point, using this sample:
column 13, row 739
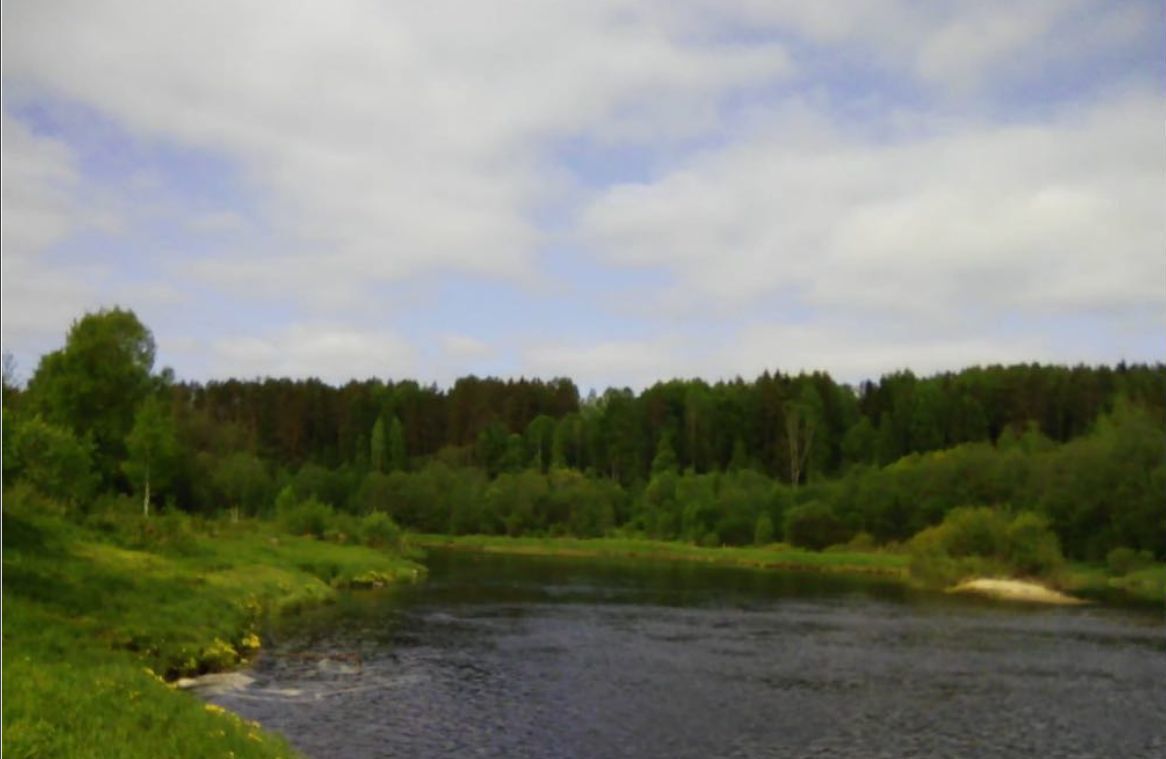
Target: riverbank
column 776, row 556
column 97, row 619
column 1142, row 587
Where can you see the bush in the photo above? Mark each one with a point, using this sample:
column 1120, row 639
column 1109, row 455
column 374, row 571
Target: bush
column 343, row 529
column 171, row 531
column 813, row 525
column 1033, row 548
column 763, row 532
column 1122, row 561
column 984, row 541
column 861, row 542
column 310, row 517
column 979, row 531
column 380, row 531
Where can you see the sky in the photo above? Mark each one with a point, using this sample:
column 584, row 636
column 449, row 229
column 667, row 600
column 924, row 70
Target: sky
column 614, row 192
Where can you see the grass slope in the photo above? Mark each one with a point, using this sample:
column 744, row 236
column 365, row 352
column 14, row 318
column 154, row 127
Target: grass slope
column 91, row 626
column 776, row 556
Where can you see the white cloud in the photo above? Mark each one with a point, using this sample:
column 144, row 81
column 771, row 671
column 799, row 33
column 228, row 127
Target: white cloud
column 464, row 347
column 40, row 205
column 331, row 353
column 379, row 142
column 635, row 363
column 853, row 353
column 36, row 199
column 1055, row 217
column 390, row 138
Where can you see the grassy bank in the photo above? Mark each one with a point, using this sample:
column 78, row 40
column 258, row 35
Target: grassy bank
column 97, row 616
column 1143, row 586
column 776, row 556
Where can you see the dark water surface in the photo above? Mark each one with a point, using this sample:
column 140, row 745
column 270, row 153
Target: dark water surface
column 534, row 657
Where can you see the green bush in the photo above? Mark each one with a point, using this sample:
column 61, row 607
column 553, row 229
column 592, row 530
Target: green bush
column 1122, row 561
column 978, row 531
column 171, row 531
column 1032, row 547
column 763, row 532
column 343, row 529
column 310, row 517
column 982, row 541
column 813, row 525
column 380, row 531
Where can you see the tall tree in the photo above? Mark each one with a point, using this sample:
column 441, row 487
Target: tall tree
column 802, row 418
column 398, row 453
column 94, row 384
column 378, row 447
column 152, row 448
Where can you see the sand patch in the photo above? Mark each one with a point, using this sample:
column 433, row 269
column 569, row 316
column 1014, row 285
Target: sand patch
column 1015, row 590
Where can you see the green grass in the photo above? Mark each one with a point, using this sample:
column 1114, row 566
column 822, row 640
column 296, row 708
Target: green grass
column 776, row 556
column 1147, row 586
column 90, row 615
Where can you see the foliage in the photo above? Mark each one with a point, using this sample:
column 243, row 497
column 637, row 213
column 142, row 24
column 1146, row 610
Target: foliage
column 48, row 458
column 307, row 517
column 379, row 531
column 1083, row 448
column 763, row 531
column 151, row 450
column 1124, row 560
column 93, row 385
column 90, row 615
column 983, row 540
column 814, row 525
column 243, row 483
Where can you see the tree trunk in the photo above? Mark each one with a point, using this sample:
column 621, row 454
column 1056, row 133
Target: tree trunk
column 146, row 499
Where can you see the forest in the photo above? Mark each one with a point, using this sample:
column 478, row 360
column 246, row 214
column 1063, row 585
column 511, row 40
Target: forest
column 801, row 458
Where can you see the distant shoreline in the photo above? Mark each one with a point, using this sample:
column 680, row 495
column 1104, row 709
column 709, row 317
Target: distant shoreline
column 777, row 556
column 1089, row 582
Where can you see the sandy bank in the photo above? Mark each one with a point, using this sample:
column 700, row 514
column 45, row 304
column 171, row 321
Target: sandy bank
column 1015, row 590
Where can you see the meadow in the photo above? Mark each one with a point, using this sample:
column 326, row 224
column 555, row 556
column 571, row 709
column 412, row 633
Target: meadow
column 101, row 616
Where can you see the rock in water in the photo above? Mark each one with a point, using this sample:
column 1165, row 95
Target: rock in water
column 216, row 682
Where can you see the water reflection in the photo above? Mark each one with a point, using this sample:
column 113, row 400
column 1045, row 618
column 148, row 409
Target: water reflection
column 519, row 656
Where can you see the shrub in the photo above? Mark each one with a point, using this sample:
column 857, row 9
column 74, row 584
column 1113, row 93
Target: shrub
column 813, row 525
column 981, row 531
column 763, row 532
column 310, row 517
column 380, row 531
column 1033, row 548
column 1121, row 561
column 171, row 531
column 343, row 529
column 862, row 542
column 984, row 541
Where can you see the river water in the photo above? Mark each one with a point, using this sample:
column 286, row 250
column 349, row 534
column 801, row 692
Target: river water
column 537, row 657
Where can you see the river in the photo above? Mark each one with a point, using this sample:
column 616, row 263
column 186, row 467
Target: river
column 508, row 656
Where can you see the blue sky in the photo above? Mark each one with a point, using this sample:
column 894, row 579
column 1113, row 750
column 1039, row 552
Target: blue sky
column 615, row 192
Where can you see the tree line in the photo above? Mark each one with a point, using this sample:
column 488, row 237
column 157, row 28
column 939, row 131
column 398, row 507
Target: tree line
column 800, row 457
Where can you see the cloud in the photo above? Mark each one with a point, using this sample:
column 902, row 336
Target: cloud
column 464, row 347
column 976, row 218
column 610, row 363
column 41, row 204
column 333, row 354
column 852, row 353
column 874, row 176
column 390, row 138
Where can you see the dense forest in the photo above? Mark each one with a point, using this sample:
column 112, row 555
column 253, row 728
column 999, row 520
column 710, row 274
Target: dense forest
column 802, row 457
